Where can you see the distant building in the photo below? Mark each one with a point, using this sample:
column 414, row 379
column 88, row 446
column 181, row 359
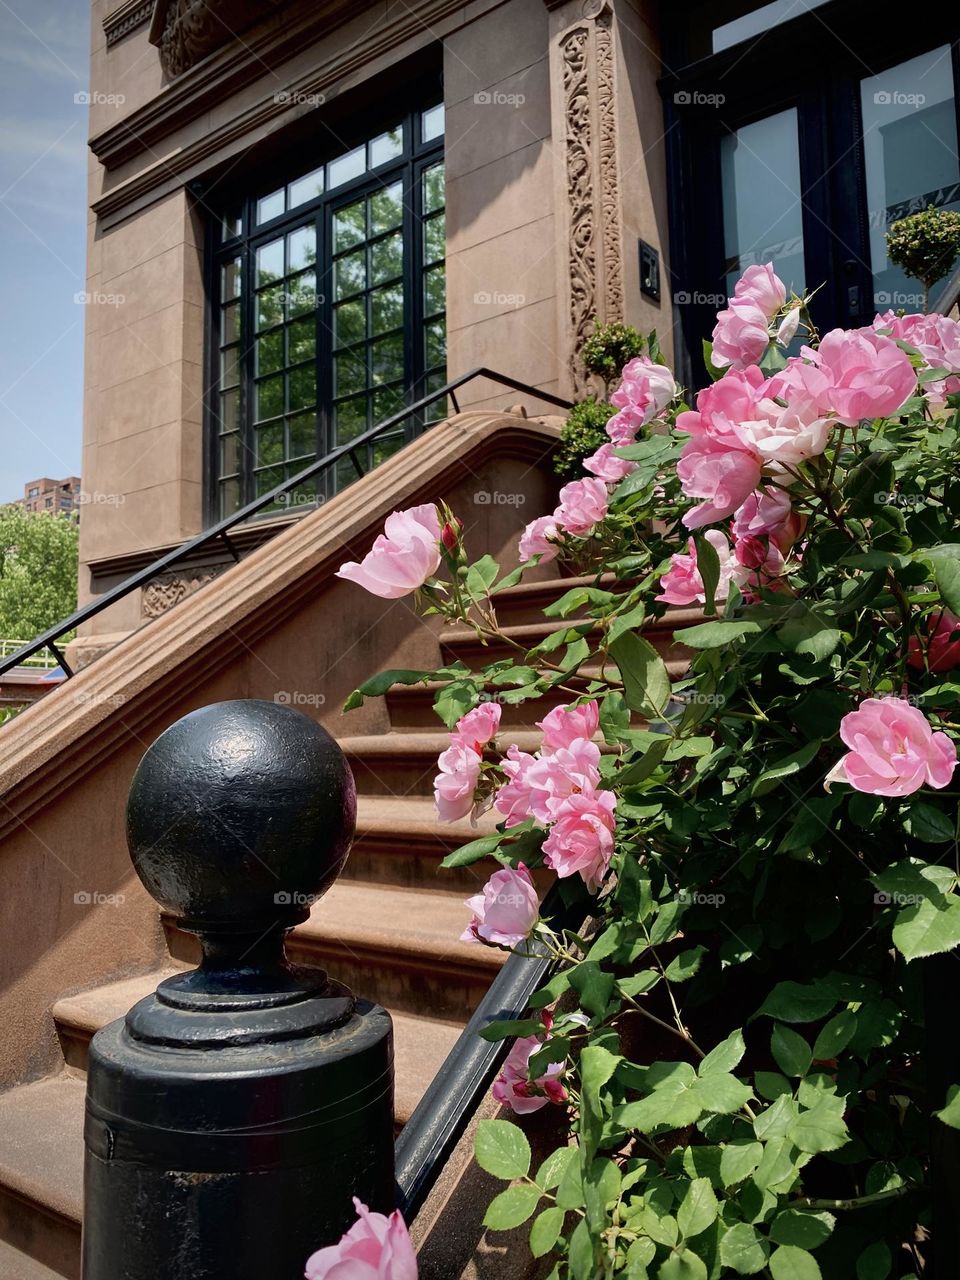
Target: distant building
column 51, row 495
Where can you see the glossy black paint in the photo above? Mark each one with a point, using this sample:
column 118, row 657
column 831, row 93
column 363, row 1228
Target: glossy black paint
column 232, row 1116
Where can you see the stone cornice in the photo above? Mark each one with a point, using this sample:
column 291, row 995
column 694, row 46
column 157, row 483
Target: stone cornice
column 128, row 17
column 186, row 31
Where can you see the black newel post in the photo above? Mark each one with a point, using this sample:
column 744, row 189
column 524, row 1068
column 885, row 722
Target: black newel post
column 232, row 1115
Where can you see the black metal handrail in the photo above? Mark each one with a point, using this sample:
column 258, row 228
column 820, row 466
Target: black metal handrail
column 443, row 1113
column 221, row 530
column 947, row 294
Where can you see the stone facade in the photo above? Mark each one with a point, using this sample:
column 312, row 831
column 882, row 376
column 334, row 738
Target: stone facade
column 554, row 169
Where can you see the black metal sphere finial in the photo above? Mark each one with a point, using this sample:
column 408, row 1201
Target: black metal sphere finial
column 240, row 815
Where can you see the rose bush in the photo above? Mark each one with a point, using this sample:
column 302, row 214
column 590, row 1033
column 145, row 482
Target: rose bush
column 765, row 846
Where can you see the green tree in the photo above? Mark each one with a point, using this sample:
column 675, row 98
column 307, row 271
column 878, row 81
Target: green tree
column 38, row 571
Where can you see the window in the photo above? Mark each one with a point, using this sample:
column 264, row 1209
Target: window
column 328, row 312
column 808, row 173
column 34, row 493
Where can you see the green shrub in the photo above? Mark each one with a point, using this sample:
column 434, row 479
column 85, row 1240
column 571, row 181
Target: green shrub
column 609, row 348
column 583, row 434
column 926, row 244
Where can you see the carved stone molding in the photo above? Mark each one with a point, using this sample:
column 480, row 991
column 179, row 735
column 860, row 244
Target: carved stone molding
column 128, row 17
column 168, row 589
column 594, row 252
column 187, row 30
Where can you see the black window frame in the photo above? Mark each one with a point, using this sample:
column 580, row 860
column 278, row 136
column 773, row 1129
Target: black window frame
column 415, row 158
column 813, row 62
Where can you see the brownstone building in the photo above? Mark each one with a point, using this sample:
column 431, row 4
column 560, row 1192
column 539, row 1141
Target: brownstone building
column 55, row 496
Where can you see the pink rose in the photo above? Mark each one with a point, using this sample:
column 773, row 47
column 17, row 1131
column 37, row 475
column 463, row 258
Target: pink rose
column 787, row 329
column 581, row 840
column 937, row 338
column 477, row 727
column 515, row 1089
column 682, row 583
column 583, row 504
column 740, row 336
column 769, row 513
column 375, row 1248
column 892, row 750
column 724, row 477
column 786, row 436
column 646, row 388
column 455, row 784
column 538, row 539
column 622, row 428
column 763, row 287
column 942, row 644
column 852, row 374
column 607, row 466
column 506, row 909
column 739, row 396
column 538, row 785
column 564, row 725
column 403, row 557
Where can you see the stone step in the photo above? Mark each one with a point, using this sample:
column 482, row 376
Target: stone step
column 16, row 1265
column 526, row 601
column 411, row 707
column 461, row 644
column 420, row 1044
column 396, row 946
column 405, row 764
column 41, row 1177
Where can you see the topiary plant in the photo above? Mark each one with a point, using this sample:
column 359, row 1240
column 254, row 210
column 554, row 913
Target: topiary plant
column 608, row 349
column 583, row 433
column 926, row 245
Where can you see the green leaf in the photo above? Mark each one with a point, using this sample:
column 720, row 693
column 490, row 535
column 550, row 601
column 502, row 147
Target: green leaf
column 950, row 1114
column 646, row 683
column 708, row 566
column 744, row 1250
column 793, row 1002
column 455, row 700
column 784, row 768
column 726, row 1055
column 597, row 1065
column 821, row 1128
column 777, row 1164
column 594, row 986
column 685, row 965
column 503, row 1028
column 805, row 1228
column 642, row 768
column 569, row 1193
column 698, row 1209
column 502, row 1149
column 639, row 983
column 792, row 1053
column 875, row 1262
column 928, row 928
column 772, row 1085
column 380, row 684
column 582, row 1253
column 791, row 1263
column 715, row 635
column 552, row 1169
column 927, row 823
column 721, row 1092
column 480, row 577
column 739, row 1161
column 511, row 1207
column 683, row 1266
column 546, row 1230
column 835, row 1036
column 946, row 569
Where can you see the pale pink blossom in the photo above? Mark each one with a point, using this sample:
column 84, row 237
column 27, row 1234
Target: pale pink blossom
column 739, row 396
column 581, row 839
column 539, row 539
column 785, row 436
column 769, row 513
column 607, row 466
column 477, row 727
column 941, row 645
column 740, row 336
column 583, row 504
column 403, row 557
column 937, row 338
column 515, row 798
column 375, row 1248
column 505, row 910
column 564, row 725
column 682, row 583
column 852, row 375
column 538, row 785
column 722, row 476
column 645, row 388
column 761, row 285
column 892, row 750
column 622, row 428
column 787, row 329
column 455, row 784
column 514, row 1088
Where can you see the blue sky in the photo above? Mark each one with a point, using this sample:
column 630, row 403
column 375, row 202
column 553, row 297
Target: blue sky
column 44, row 56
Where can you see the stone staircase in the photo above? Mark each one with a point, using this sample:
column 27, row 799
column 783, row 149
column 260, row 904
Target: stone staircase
column 389, row 928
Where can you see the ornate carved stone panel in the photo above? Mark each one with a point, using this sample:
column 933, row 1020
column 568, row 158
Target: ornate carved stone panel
column 168, row 589
column 187, row 30
column 589, row 142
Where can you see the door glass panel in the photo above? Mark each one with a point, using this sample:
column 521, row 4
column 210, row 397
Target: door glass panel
column 910, row 149
column 762, row 209
column 754, row 24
